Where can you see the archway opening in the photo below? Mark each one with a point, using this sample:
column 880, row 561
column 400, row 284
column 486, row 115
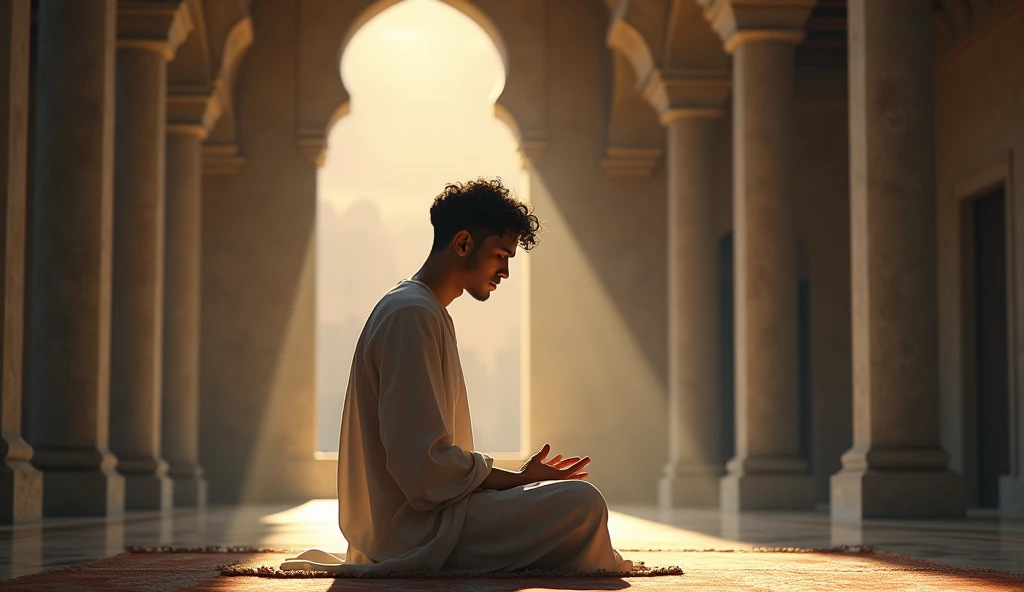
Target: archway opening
column 423, row 78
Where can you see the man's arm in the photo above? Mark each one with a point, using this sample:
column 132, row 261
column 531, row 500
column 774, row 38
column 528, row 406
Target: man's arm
column 421, row 457
column 536, row 469
column 501, row 479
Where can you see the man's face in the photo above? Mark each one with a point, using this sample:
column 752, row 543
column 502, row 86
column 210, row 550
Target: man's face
column 487, row 265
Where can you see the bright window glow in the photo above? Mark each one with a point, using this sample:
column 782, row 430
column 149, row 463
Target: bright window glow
column 423, row 79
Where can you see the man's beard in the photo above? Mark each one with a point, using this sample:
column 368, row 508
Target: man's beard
column 472, row 264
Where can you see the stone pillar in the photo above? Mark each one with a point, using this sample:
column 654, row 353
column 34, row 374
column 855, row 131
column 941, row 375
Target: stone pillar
column 767, row 471
column 896, row 468
column 189, row 119
column 148, row 34
column 72, row 223
column 689, row 107
column 21, row 485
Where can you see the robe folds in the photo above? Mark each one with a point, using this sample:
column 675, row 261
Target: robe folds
column 409, row 479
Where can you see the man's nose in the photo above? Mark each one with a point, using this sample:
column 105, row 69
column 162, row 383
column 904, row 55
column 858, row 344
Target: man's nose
column 503, row 272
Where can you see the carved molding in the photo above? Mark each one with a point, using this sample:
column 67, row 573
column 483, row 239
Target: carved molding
column 160, row 26
column 622, row 163
column 314, row 148
column 222, row 159
column 688, row 93
column 743, row 21
column 192, row 109
column 531, row 151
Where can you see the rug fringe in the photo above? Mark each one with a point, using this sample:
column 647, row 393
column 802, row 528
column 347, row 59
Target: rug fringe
column 263, row 571
column 207, row 549
column 841, row 549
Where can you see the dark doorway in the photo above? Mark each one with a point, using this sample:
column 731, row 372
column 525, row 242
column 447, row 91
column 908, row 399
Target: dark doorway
column 727, row 343
column 992, row 402
column 804, row 376
column 728, row 355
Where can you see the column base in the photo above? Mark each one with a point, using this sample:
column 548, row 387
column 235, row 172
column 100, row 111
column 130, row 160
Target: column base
column 189, row 492
column 689, row 485
column 1011, row 496
column 744, row 490
column 21, row 487
column 147, row 486
column 859, row 494
column 149, row 492
column 88, row 492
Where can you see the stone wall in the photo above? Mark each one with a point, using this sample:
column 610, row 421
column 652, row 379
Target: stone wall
column 258, row 315
column 598, row 279
column 979, row 136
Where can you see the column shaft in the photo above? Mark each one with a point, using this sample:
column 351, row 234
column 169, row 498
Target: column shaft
column 181, row 318
column 21, row 485
column 896, row 467
column 137, row 339
column 694, row 469
column 72, row 224
column 767, row 471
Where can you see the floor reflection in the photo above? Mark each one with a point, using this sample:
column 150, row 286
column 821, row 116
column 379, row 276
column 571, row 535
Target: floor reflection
column 981, row 542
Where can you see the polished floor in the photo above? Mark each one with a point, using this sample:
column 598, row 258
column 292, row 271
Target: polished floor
column 979, row 541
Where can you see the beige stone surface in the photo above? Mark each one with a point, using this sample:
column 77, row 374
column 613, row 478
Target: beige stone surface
column 767, row 471
column 598, row 291
column 896, row 466
column 138, row 266
column 72, row 239
column 256, row 409
column 978, row 135
column 691, row 477
column 21, row 495
column 179, row 415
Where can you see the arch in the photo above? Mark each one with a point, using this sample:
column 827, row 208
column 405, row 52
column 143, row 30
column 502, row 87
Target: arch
column 466, row 7
column 625, row 39
column 236, row 46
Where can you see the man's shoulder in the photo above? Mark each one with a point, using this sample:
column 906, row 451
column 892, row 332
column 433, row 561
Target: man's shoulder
column 407, row 298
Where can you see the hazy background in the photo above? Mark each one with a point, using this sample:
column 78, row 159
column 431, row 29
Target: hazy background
column 423, row 79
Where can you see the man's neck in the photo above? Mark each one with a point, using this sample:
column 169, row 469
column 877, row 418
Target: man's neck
column 437, row 275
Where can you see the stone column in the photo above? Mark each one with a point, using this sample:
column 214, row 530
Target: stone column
column 190, row 117
column 72, row 223
column 148, row 35
column 21, row 485
column 767, row 471
column 690, row 107
column 896, row 468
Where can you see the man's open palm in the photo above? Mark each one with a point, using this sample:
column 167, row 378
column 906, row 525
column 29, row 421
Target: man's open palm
column 539, row 468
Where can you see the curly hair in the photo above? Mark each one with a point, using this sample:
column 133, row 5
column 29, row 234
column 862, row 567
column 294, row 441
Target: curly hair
column 483, row 207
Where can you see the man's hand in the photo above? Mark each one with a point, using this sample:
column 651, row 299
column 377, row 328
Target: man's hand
column 538, row 468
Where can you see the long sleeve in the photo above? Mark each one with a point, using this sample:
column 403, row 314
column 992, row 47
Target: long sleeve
column 408, row 349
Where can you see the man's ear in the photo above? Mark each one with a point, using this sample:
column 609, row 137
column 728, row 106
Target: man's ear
column 463, row 243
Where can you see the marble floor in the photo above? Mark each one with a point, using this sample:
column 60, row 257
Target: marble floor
column 981, row 541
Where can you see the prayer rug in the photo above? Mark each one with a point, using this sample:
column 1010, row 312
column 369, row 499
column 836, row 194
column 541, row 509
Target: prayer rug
column 856, row 568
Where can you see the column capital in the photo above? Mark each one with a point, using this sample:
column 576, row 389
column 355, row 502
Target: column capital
column 160, row 26
column 313, row 147
column 531, row 150
column 741, row 21
column 630, row 163
column 222, row 159
column 192, row 109
column 677, row 94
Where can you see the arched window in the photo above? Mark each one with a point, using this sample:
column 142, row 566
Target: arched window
column 423, row 78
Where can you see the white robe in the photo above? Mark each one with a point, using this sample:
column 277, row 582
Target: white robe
column 409, row 478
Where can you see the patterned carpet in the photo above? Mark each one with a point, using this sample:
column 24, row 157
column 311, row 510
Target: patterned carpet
column 703, row 570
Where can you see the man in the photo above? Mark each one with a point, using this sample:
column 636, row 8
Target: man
column 413, row 493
